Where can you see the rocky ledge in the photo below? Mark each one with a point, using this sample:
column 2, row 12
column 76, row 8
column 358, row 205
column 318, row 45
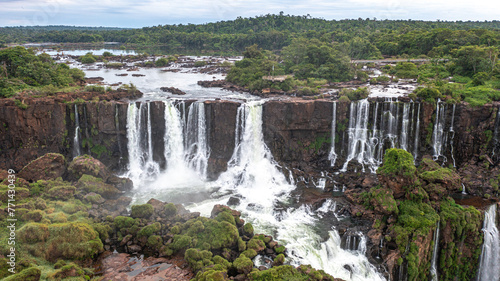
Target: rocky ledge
column 74, row 221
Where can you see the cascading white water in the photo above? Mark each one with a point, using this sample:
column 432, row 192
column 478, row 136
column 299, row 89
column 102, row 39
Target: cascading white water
column 253, row 177
column 489, row 265
column 359, row 146
column 76, row 139
column 196, row 144
column 452, row 135
column 495, row 133
column 434, row 270
column 417, row 135
column 438, row 132
column 333, row 156
column 185, row 160
column 403, row 143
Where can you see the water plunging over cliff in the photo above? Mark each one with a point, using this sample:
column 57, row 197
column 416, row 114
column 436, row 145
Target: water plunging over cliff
column 434, row 269
column 76, row 139
column 389, row 128
column 256, row 180
column 489, row 266
column 185, row 152
column 333, row 156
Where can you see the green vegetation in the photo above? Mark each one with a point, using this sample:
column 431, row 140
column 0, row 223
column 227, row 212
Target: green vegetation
column 21, row 69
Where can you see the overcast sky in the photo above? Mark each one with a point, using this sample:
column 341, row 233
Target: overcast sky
column 128, row 13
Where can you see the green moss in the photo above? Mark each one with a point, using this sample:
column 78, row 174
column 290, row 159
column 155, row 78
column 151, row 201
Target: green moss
column 225, row 216
column 282, row 272
column 154, row 241
column 181, row 242
column 142, row 211
column 398, row 162
column 198, row 259
column 242, row 246
column 216, row 234
column 64, row 192
column 90, row 183
column 211, row 275
column 29, row 274
column 243, row 264
column 380, row 199
column 250, row 253
column 35, row 216
column 280, row 249
column 74, row 240
column 279, row 260
column 149, row 229
column 248, row 229
column 256, row 244
column 460, row 254
column 169, row 210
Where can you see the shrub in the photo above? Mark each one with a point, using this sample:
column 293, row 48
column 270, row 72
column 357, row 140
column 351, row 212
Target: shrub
column 142, row 211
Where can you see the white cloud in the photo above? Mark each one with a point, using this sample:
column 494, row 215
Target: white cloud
column 130, row 13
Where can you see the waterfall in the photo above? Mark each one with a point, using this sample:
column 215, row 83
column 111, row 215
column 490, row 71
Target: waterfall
column 117, row 130
column 438, row 132
column 76, row 139
column 196, row 144
column 333, row 156
column 174, row 136
column 434, row 269
column 495, row 133
column 255, row 178
column 452, row 135
column 489, row 266
column 417, row 135
column 404, row 127
column 359, row 147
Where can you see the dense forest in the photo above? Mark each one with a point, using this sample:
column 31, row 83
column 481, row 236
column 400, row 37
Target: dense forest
column 314, row 52
column 273, row 32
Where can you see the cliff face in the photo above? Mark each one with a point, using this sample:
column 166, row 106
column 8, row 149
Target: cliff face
column 298, row 133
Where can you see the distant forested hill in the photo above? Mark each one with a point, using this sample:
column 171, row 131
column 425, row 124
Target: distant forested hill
column 361, row 38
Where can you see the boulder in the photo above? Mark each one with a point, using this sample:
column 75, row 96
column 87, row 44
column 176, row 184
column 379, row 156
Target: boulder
column 49, row 166
column 90, row 183
column 87, row 165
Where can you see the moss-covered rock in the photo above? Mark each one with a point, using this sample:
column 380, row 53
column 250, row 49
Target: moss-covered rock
column 89, row 183
column 248, row 230
column 29, row 274
column 256, row 245
column 142, row 211
column 64, row 192
column 47, row 167
column 35, row 216
column 73, row 240
column 243, row 264
column 87, row 165
column 398, row 172
column 198, row 259
column 149, row 230
column 462, row 238
column 381, row 200
column 67, row 270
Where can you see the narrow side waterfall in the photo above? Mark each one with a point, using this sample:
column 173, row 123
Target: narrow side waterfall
column 403, row 143
column 76, row 139
column 452, row 134
column 388, row 128
column 118, row 138
column 196, row 143
column 495, row 133
column 333, row 156
column 359, row 147
column 435, row 254
column 438, row 136
column 489, row 265
column 417, row 135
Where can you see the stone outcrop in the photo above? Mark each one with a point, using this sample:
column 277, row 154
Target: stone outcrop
column 47, row 167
